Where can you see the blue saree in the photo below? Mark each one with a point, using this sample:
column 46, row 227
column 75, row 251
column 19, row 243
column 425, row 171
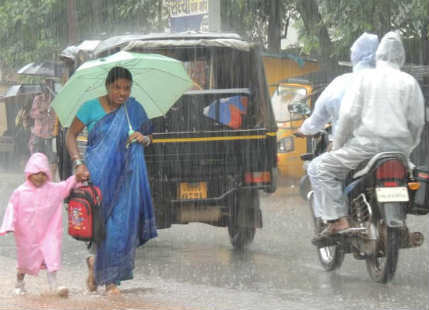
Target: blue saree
column 121, row 174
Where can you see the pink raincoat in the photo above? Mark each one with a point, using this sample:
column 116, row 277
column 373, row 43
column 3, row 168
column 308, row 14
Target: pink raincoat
column 35, row 216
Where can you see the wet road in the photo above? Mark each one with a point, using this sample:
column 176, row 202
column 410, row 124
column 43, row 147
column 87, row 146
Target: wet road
column 195, row 267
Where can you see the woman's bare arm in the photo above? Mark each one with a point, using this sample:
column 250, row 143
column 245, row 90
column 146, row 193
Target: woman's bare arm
column 71, row 138
column 76, row 127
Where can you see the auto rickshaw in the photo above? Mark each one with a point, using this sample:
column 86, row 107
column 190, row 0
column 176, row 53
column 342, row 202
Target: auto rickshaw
column 283, row 73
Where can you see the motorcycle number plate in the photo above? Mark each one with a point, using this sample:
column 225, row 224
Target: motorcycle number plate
column 392, row 194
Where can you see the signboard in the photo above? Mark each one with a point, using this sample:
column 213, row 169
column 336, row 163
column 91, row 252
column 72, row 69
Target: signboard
column 188, row 15
column 179, row 8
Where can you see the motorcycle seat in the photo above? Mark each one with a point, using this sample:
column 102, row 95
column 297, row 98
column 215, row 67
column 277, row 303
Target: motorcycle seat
column 368, row 164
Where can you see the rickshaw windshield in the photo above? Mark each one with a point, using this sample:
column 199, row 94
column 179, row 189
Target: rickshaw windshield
column 284, row 97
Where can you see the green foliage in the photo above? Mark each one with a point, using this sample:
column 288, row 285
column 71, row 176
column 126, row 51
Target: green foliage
column 345, row 20
column 37, row 30
column 250, row 18
column 26, row 30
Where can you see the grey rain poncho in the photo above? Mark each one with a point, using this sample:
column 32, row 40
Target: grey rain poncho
column 383, row 110
column 383, row 107
column 327, row 106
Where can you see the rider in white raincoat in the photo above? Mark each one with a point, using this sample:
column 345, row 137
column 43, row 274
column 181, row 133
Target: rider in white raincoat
column 327, row 106
column 383, row 110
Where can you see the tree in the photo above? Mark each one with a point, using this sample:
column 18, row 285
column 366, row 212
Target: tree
column 27, row 32
column 274, row 23
column 261, row 21
column 73, row 34
column 340, row 22
column 327, row 27
column 36, row 30
column 33, row 30
column 315, row 30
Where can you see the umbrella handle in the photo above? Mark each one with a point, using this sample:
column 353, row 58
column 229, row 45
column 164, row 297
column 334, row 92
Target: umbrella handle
column 130, row 132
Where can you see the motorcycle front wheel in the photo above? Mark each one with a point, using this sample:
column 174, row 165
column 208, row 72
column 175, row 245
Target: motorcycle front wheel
column 330, row 257
column 381, row 265
column 304, row 186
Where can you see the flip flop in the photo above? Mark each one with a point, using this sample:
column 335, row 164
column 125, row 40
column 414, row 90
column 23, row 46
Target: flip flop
column 350, row 230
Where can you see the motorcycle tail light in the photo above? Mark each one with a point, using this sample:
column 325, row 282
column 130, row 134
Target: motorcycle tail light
column 391, row 169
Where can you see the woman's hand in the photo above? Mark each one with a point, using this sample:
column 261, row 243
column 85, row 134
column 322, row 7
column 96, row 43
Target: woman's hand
column 82, row 173
column 139, row 137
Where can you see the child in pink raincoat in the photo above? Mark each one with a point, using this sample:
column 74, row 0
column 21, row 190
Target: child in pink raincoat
column 34, row 215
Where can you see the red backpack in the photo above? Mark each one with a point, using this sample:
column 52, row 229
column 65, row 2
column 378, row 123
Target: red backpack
column 85, row 220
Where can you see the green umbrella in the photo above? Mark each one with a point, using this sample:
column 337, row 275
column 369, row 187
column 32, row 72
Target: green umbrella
column 158, row 82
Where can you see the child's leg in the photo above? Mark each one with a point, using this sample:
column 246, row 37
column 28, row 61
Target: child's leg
column 52, row 280
column 20, row 284
column 59, row 290
column 20, row 277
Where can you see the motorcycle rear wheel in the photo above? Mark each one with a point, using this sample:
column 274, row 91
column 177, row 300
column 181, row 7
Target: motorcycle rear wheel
column 382, row 264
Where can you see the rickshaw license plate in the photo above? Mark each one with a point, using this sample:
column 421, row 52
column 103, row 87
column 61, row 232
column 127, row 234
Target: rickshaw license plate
column 197, row 190
column 392, row 194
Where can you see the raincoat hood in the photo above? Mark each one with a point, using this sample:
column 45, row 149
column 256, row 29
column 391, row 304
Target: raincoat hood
column 362, row 52
column 391, row 50
column 38, row 162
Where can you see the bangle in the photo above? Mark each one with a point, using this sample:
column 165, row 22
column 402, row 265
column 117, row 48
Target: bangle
column 146, row 140
column 77, row 162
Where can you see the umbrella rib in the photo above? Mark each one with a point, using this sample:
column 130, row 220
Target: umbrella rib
column 150, row 97
column 161, row 70
column 147, row 93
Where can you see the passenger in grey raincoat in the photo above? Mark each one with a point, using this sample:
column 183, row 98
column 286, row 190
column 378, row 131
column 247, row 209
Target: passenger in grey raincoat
column 383, row 110
column 327, row 106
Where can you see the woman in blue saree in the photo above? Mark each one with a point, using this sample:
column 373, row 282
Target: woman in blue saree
column 114, row 160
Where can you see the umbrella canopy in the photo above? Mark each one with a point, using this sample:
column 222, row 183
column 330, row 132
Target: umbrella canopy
column 228, row 111
column 158, row 82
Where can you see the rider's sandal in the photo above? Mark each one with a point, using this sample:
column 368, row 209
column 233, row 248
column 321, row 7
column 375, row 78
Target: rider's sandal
column 326, row 236
column 327, row 232
column 350, row 230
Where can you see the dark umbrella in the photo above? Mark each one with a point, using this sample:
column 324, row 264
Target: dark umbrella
column 46, row 68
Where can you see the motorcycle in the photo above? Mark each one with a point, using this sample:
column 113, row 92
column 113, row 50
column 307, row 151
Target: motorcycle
column 379, row 193
column 319, row 144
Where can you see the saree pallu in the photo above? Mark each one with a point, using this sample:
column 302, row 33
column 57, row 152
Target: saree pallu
column 121, row 174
